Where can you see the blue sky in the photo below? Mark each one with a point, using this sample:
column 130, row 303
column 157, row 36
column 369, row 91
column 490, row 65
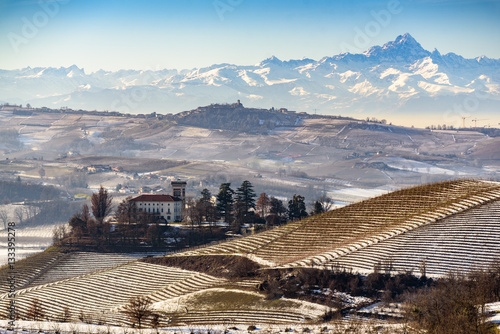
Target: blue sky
column 157, row 34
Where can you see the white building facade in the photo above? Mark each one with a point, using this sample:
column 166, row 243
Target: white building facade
column 162, row 206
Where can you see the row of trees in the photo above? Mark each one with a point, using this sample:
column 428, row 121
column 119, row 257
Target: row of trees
column 242, row 206
column 440, row 127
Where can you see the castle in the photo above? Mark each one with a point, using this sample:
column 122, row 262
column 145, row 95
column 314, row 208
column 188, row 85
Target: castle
column 166, row 207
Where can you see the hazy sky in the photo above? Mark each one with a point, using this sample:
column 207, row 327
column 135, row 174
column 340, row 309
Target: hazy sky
column 159, row 34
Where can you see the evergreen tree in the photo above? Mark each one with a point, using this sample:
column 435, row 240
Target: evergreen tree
column 296, row 207
column 245, row 199
column 225, row 202
column 208, row 210
column 78, row 226
column 206, row 196
column 277, row 211
column 318, row 208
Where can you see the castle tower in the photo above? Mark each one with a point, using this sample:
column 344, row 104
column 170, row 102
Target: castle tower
column 179, row 189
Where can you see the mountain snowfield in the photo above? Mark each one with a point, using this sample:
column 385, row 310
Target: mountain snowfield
column 397, row 80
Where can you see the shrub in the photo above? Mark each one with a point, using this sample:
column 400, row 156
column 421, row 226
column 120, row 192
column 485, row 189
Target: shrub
column 251, row 328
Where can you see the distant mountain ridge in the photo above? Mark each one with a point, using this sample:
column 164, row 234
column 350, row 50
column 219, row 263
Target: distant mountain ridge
column 397, row 78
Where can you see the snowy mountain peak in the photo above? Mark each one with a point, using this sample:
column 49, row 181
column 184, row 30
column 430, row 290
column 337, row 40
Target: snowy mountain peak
column 436, row 53
column 271, row 60
column 403, row 48
column 406, row 39
column 74, row 70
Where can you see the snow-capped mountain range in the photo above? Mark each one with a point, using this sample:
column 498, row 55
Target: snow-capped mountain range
column 396, row 79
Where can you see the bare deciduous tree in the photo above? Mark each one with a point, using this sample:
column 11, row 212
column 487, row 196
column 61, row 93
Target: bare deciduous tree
column 127, row 212
column 263, row 204
column 35, row 311
column 155, row 321
column 101, row 204
column 59, row 233
column 4, row 216
column 326, row 202
column 31, row 211
column 66, row 314
column 19, row 213
column 138, row 310
column 85, row 213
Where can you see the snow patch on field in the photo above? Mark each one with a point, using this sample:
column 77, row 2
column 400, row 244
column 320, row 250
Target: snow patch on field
column 195, row 132
column 494, row 310
column 344, row 326
column 391, row 309
column 360, row 192
column 417, row 166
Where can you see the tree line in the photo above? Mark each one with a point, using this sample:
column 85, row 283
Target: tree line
column 19, row 191
column 240, row 207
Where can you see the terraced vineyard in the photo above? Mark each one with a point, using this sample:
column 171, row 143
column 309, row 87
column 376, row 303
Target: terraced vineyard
column 232, row 306
column 30, row 268
column 100, row 294
column 462, row 242
column 319, row 240
column 80, row 263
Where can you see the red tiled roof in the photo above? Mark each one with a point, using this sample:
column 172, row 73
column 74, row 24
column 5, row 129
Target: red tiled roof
column 156, row 198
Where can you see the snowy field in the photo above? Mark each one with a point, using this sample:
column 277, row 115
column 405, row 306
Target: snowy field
column 21, row 253
column 335, row 327
column 418, row 167
column 357, row 194
column 29, row 241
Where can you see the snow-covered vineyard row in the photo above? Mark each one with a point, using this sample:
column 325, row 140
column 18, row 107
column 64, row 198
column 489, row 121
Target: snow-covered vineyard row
column 81, row 263
column 99, row 295
column 473, row 243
